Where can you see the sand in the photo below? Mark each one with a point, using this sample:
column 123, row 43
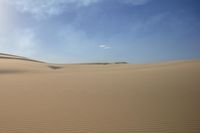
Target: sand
column 38, row 97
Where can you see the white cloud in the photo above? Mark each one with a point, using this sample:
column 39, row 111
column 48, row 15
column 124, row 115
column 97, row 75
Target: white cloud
column 44, row 8
column 104, row 46
column 136, row 2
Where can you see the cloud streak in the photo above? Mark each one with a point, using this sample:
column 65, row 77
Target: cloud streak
column 44, row 8
column 104, row 47
column 136, row 2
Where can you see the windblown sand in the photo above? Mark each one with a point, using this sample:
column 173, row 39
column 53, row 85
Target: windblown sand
column 155, row 98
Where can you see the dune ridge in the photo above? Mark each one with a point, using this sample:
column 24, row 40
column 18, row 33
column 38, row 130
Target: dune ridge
column 37, row 97
column 9, row 56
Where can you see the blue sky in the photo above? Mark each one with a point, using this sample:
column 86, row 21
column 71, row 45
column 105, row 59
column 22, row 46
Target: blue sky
column 71, row 31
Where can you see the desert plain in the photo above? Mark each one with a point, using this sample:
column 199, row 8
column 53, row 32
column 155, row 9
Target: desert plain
column 37, row 97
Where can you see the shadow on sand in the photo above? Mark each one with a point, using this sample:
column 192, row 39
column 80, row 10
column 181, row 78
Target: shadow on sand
column 7, row 71
column 55, row 67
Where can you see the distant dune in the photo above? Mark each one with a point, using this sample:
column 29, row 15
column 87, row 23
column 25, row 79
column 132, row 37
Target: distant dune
column 37, row 97
column 9, row 56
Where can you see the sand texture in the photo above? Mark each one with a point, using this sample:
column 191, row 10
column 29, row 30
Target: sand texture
column 37, row 97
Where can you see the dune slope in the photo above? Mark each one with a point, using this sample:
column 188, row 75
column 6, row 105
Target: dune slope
column 114, row 98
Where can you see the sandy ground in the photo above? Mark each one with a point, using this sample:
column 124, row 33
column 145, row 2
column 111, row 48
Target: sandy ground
column 153, row 98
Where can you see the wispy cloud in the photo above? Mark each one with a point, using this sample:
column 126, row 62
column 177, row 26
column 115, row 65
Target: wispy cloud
column 44, row 8
column 136, row 2
column 104, row 46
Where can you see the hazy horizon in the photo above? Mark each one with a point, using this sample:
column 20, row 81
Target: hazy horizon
column 135, row 31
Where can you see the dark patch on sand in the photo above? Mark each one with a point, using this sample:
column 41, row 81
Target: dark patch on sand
column 8, row 71
column 55, row 67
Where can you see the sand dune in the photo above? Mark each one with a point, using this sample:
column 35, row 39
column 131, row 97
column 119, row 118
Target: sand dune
column 9, row 56
column 37, row 97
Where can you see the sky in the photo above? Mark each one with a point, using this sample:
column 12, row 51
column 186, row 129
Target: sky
column 77, row 31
